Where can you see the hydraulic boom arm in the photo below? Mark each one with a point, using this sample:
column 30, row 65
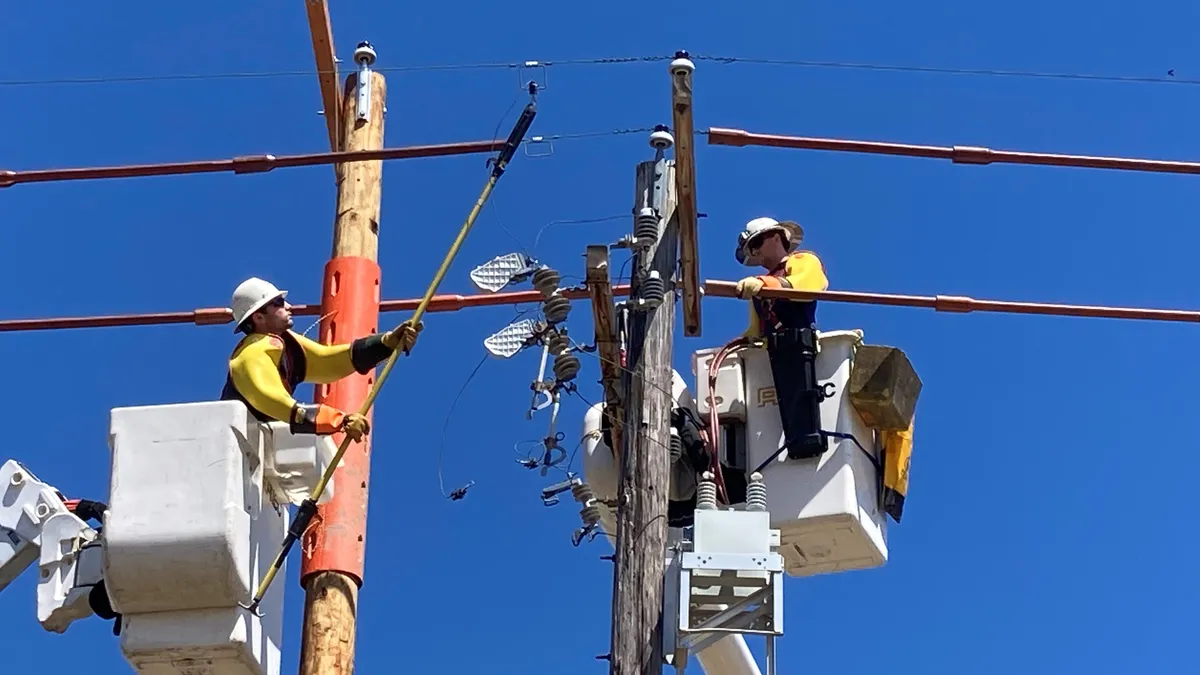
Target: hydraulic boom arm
column 36, row 526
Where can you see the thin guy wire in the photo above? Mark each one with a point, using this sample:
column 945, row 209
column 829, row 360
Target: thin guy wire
column 454, row 404
column 991, row 72
column 574, row 221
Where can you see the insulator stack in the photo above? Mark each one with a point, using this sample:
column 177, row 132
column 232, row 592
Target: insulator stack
column 676, row 446
column 653, row 290
column 556, row 308
column 566, row 364
column 546, row 281
column 645, row 230
column 706, row 492
column 756, row 493
column 590, row 513
column 566, row 367
column 558, row 342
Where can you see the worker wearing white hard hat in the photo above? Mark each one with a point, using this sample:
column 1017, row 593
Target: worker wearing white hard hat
column 788, row 326
column 268, row 364
column 773, row 244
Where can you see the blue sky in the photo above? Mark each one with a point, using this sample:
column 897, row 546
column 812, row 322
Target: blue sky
column 1044, row 527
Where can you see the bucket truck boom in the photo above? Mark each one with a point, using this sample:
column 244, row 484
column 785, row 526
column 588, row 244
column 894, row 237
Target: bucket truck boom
column 37, row 527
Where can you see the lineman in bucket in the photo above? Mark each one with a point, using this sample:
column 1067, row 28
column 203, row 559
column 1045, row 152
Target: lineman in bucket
column 788, row 326
column 271, row 360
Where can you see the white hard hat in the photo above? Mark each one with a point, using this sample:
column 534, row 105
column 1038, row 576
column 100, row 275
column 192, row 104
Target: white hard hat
column 791, row 230
column 252, row 295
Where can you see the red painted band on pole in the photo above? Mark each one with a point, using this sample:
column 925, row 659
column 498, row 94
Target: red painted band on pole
column 351, row 309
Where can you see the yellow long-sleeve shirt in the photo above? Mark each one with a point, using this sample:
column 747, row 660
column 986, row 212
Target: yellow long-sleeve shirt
column 264, row 371
column 801, row 270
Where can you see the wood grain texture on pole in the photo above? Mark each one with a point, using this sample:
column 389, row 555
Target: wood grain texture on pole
column 360, row 185
column 334, row 547
column 599, row 283
column 685, row 186
column 644, row 477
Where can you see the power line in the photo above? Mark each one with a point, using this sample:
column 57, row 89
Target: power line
column 618, row 60
column 1170, row 79
column 118, row 79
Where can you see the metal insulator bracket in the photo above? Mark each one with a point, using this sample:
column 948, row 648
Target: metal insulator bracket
column 550, row 494
column 539, row 141
column 364, row 56
column 523, row 83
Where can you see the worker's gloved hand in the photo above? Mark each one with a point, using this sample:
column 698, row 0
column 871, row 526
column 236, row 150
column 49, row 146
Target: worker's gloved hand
column 749, row 287
column 404, row 336
column 356, row 426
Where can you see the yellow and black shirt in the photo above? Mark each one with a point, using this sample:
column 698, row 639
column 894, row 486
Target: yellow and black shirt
column 264, row 370
column 801, row 270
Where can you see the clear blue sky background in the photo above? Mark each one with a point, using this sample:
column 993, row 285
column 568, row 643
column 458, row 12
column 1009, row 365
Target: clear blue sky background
column 1054, row 466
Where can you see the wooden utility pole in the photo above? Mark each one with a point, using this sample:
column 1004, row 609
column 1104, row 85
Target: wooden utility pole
column 334, row 547
column 644, row 478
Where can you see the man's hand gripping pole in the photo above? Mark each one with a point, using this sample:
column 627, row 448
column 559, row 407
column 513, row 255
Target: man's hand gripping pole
column 308, row 508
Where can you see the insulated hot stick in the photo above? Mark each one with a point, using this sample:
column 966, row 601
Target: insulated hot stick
column 308, row 508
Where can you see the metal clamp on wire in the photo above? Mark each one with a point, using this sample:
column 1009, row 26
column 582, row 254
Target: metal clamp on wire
column 517, row 136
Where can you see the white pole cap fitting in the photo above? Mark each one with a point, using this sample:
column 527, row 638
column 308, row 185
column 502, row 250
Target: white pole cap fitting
column 252, row 295
column 792, row 233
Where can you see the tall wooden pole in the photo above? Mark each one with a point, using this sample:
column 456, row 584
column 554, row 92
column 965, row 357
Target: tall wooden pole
column 644, row 477
column 333, row 549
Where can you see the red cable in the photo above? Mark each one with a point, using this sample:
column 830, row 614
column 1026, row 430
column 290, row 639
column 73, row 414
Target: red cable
column 714, row 425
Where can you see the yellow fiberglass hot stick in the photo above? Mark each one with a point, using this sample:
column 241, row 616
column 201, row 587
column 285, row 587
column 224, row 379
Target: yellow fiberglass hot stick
column 308, row 507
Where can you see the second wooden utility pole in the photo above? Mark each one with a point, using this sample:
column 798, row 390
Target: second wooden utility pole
column 645, row 478
column 334, row 546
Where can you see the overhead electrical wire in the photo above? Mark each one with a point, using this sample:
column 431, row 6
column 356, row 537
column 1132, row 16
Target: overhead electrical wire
column 621, row 60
